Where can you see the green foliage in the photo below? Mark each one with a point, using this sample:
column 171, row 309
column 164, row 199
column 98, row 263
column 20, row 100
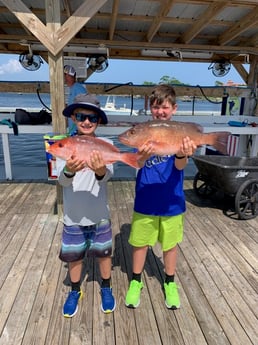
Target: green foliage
column 218, row 83
column 173, row 81
column 168, row 80
column 148, row 83
column 165, row 80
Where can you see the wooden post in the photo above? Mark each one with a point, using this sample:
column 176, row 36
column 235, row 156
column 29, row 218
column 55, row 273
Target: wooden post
column 56, row 79
column 252, row 82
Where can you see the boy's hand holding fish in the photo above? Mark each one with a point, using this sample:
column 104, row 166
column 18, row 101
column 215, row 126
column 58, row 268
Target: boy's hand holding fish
column 95, row 163
column 187, row 148
column 145, row 152
column 74, row 164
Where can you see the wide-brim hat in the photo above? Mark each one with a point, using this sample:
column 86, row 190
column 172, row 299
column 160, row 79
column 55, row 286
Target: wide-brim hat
column 86, row 101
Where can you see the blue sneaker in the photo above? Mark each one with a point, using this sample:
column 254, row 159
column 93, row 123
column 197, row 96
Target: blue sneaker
column 108, row 302
column 71, row 304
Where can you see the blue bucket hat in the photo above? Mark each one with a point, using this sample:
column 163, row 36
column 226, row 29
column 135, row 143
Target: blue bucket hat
column 86, row 101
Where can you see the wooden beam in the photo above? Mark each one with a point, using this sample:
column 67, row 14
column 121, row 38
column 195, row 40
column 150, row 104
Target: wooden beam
column 74, row 23
column 241, row 71
column 54, row 41
column 206, row 17
column 31, row 22
column 244, row 24
column 29, row 87
column 181, row 90
column 250, row 103
column 56, row 69
column 67, row 7
column 57, row 92
column 56, row 77
column 163, row 12
column 120, row 45
column 253, row 41
column 113, row 18
column 103, row 89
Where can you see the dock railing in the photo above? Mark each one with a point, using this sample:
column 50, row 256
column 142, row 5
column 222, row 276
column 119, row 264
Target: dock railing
column 118, row 124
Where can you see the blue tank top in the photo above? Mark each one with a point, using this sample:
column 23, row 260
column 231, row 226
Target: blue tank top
column 159, row 188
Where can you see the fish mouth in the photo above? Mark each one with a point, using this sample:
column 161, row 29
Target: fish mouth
column 123, row 139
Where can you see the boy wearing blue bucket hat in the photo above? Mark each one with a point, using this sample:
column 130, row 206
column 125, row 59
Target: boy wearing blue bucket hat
column 87, row 226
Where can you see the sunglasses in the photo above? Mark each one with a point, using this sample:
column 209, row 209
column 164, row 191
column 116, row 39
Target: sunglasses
column 82, row 117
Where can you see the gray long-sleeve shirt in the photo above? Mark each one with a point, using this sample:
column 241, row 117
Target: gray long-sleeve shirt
column 84, row 197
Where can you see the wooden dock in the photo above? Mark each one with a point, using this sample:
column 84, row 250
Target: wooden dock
column 216, row 271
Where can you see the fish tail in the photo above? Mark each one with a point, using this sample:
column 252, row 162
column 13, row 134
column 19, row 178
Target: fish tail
column 130, row 159
column 220, row 141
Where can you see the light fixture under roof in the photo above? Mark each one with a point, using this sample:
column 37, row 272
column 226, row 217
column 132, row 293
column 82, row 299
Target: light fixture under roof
column 177, row 53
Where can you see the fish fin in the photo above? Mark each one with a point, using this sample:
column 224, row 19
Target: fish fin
column 191, row 126
column 131, row 159
column 199, row 128
column 221, row 142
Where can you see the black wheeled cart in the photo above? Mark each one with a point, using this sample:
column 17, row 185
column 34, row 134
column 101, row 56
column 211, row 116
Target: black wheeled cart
column 234, row 176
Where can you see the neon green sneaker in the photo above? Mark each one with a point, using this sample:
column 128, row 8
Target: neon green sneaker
column 172, row 300
column 132, row 299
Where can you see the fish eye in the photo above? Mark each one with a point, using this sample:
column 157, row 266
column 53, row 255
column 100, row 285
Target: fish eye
column 60, row 145
column 132, row 131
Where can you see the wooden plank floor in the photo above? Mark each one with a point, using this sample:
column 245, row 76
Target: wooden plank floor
column 216, row 271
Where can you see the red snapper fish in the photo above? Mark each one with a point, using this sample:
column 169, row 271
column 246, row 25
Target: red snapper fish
column 166, row 137
column 82, row 145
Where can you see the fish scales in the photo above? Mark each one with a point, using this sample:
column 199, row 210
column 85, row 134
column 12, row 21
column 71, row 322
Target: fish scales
column 81, row 147
column 166, row 137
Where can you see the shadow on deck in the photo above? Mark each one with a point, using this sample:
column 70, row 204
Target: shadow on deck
column 216, row 271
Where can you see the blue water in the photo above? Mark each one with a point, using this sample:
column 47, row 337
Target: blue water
column 29, row 150
column 32, row 101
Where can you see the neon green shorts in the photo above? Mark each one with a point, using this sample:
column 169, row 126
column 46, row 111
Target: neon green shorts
column 147, row 230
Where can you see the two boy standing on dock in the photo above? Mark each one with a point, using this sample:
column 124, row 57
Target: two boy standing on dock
column 83, row 232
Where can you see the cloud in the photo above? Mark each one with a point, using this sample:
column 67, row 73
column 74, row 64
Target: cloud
column 12, row 66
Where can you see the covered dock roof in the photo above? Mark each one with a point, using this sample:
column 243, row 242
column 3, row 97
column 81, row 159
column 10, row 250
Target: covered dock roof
column 168, row 30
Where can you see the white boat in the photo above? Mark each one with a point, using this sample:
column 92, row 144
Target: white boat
column 110, row 108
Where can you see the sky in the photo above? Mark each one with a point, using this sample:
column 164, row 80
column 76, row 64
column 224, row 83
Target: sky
column 125, row 71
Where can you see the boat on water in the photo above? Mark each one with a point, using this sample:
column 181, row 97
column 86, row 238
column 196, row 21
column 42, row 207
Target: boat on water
column 111, row 108
column 111, row 104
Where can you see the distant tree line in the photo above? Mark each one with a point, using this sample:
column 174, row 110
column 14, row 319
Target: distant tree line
column 166, row 80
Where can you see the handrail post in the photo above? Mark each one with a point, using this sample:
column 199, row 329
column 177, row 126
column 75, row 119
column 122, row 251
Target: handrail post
column 7, row 157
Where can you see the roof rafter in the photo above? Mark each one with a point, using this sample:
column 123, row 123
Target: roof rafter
column 245, row 23
column 113, row 19
column 164, row 10
column 54, row 40
column 67, row 7
column 205, row 18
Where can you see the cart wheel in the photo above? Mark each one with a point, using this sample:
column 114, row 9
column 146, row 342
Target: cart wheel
column 246, row 200
column 202, row 187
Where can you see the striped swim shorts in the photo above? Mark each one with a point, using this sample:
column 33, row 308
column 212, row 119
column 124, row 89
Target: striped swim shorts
column 93, row 241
